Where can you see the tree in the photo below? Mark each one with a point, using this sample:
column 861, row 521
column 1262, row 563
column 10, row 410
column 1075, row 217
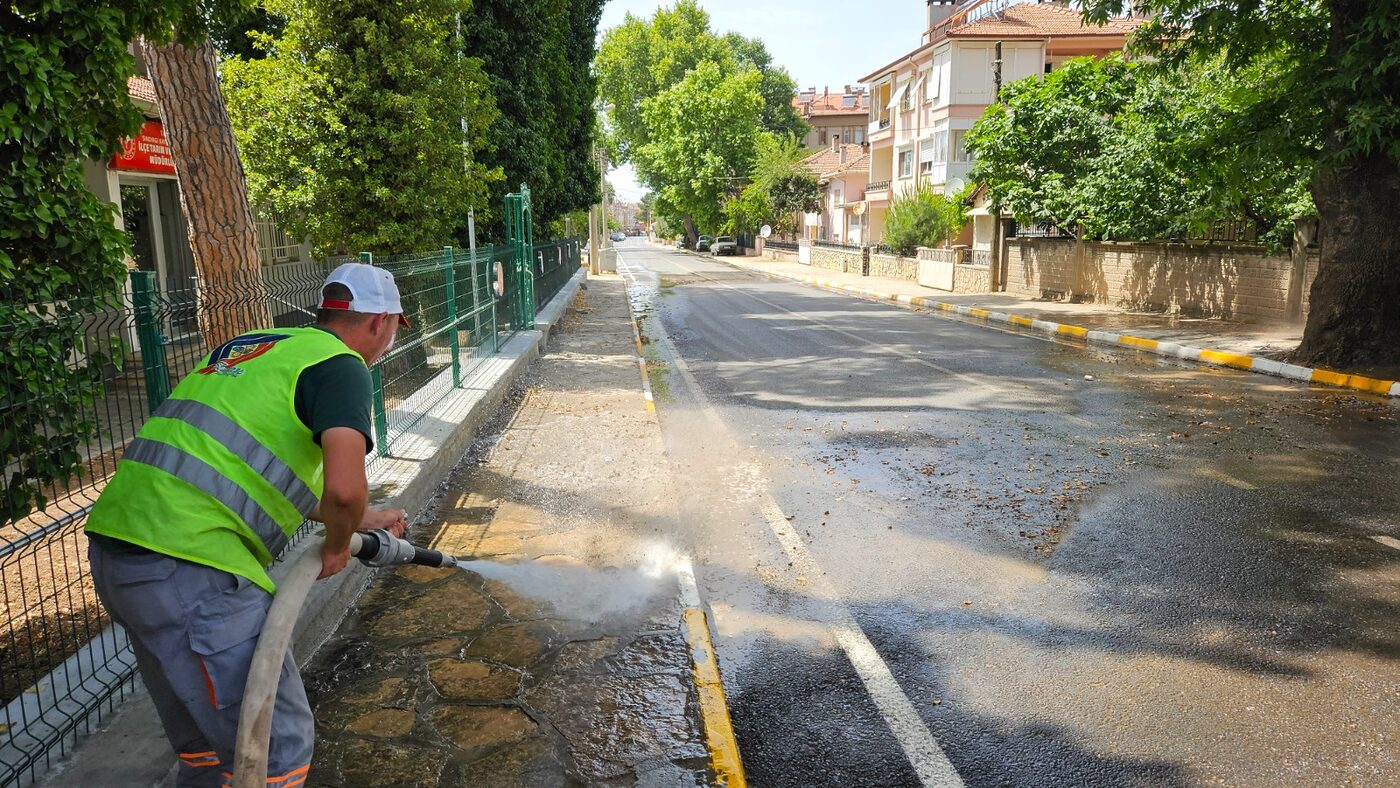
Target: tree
column 923, row 217
column 780, row 191
column 1117, row 150
column 776, row 86
column 62, row 100
column 351, row 126
column 642, row 58
column 702, row 141
column 213, row 192
column 1340, row 60
column 537, row 55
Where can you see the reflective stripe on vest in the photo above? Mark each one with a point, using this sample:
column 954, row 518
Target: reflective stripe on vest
column 244, row 446
column 192, row 470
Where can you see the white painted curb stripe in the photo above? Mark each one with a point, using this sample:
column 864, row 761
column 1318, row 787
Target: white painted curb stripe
column 1263, row 366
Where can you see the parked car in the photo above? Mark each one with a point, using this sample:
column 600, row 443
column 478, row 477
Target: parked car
column 680, row 242
column 618, row 236
column 702, row 244
column 724, row 245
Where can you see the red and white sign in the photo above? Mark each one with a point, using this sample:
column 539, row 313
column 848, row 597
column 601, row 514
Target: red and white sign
column 146, row 152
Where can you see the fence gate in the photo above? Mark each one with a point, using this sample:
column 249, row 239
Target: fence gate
column 520, row 277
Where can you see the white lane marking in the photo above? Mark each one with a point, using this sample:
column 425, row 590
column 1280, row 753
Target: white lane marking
column 925, row 756
column 1222, row 476
column 1388, row 541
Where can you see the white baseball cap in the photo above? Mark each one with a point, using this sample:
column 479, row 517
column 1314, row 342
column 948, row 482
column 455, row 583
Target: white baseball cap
column 372, row 291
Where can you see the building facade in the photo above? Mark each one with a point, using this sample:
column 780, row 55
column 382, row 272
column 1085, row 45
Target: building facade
column 843, row 115
column 923, row 104
column 841, row 171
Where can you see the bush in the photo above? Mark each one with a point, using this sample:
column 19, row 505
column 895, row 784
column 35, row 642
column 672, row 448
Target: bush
column 922, row 218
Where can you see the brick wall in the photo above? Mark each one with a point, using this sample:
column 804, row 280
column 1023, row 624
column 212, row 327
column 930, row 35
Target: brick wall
column 848, row 260
column 1042, row 268
column 1213, row 281
column 891, row 267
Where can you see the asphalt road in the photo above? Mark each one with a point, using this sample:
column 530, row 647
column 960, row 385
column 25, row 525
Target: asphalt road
column 942, row 553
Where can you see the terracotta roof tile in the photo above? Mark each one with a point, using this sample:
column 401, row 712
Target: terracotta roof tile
column 828, row 162
column 1031, row 20
column 140, row 89
column 831, row 104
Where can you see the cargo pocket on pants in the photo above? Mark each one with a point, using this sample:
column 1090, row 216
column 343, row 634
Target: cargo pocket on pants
column 223, row 634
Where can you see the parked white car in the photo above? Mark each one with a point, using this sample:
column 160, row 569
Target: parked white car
column 724, row 245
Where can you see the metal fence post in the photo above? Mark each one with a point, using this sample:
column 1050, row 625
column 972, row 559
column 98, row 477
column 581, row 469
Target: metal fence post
column 452, row 318
column 149, row 338
column 491, row 293
column 381, row 418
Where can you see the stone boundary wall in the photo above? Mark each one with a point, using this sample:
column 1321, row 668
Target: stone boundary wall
column 1241, row 282
column 892, row 267
column 849, row 261
column 968, row 278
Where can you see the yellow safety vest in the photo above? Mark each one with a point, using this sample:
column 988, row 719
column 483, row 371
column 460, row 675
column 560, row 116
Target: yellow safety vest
column 223, row 473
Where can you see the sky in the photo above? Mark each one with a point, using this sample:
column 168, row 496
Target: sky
column 821, row 43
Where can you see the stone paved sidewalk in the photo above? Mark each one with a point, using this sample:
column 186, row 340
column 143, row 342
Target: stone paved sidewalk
column 557, row 658
column 1253, row 339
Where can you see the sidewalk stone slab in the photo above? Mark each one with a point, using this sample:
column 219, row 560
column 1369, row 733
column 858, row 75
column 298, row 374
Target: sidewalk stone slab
column 551, row 657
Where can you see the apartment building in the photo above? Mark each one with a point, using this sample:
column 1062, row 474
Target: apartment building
column 841, row 171
column 923, row 103
column 831, row 115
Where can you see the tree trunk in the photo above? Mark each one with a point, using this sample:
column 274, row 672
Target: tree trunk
column 1354, row 310
column 213, row 192
column 692, row 235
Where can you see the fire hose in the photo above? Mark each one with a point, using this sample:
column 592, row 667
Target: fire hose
column 373, row 548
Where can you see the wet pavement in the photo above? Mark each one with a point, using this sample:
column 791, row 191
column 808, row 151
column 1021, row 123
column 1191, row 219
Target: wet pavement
column 556, row 656
column 1076, row 566
column 1271, row 340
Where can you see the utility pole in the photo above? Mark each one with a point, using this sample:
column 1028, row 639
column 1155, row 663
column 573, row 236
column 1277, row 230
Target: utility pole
column 597, row 222
column 994, row 277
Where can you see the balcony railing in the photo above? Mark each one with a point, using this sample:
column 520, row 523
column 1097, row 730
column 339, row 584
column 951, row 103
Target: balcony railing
column 878, row 186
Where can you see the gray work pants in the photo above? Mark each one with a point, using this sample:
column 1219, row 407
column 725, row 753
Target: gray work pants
column 194, row 629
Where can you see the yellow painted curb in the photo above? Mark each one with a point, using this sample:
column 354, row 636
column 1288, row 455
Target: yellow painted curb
column 1242, row 361
column 1236, row 360
column 641, row 360
column 1137, row 342
column 714, row 712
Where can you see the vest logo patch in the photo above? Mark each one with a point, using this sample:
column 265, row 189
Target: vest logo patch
column 226, row 357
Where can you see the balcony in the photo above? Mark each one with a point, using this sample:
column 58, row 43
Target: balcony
column 878, row 191
column 878, row 131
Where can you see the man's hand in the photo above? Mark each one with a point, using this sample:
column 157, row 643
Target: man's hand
column 395, row 521
column 333, row 559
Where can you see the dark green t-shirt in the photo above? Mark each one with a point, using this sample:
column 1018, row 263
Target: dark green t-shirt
column 336, row 393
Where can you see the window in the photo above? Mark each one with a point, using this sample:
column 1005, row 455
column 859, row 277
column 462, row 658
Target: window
column 929, row 90
column 939, row 149
column 905, row 98
column 960, row 152
column 906, row 163
column 926, row 156
column 860, row 136
column 821, row 136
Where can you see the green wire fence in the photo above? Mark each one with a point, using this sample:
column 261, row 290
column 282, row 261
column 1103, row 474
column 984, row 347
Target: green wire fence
column 62, row 666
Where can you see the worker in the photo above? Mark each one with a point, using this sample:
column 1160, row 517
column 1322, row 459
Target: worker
column 271, row 429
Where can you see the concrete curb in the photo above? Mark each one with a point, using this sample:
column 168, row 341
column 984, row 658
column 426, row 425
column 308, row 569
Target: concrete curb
column 1248, row 363
column 130, row 748
column 723, row 746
